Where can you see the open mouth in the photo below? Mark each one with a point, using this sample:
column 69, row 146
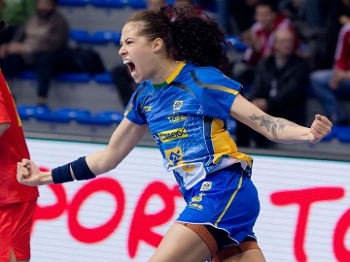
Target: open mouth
column 130, row 65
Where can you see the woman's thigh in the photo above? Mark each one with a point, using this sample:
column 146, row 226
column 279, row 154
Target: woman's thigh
column 251, row 255
column 181, row 244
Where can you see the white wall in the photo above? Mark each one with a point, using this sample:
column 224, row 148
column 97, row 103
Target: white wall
column 305, row 208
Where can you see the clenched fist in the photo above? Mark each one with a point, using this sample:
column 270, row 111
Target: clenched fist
column 29, row 174
column 319, row 128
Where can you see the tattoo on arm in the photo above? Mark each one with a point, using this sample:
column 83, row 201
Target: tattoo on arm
column 272, row 124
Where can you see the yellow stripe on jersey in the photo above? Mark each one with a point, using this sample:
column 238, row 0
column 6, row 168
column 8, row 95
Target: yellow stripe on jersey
column 222, row 142
column 128, row 109
column 171, row 77
column 230, row 201
column 222, row 88
column 175, row 73
column 243, row 157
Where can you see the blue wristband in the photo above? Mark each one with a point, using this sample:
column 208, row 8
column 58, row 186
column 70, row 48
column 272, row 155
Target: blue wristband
column 61, row 174
column 81, row 170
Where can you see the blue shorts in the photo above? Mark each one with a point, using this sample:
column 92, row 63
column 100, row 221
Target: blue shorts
column 226, row 200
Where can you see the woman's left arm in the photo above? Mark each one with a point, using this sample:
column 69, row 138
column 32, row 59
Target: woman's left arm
column 278, row 129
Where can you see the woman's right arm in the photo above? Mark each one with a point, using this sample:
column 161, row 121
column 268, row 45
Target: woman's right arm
column 278, row 129
column 124, row 139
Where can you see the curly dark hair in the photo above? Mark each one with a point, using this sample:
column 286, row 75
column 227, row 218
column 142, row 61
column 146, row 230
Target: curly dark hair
column 189, row 35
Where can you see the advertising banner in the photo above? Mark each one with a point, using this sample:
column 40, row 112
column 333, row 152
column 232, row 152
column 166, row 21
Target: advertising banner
column 123, row 215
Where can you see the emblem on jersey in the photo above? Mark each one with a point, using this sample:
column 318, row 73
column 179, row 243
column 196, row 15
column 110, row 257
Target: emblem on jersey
column 174, row 119
column 198, row 198
column 178, row 104
column 206, row 185
column 147, row 108
column 195, row 200
column 174, row 155
column 171, row 135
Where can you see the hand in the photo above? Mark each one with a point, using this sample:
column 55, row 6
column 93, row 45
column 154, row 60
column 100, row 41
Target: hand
column 319, row 128
column 251, row 39
column 3, row 50
column 28, row 173
column 17, row 48
column 338, row 77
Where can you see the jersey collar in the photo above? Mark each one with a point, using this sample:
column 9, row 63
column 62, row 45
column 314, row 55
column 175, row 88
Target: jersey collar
column 171, row 77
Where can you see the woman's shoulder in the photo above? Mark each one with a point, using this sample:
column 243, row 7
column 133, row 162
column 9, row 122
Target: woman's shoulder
column 201, row 69
column 204, row 75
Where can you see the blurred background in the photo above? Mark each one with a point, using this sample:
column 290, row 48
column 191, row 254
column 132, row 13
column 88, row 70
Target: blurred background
column 292, row 56
column 60, row 59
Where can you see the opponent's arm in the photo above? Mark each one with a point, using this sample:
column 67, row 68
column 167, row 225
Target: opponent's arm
column 123, row 140
column 278, row 129
column 4, row 127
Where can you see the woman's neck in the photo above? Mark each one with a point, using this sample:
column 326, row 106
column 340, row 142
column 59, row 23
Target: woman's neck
column 165, row 70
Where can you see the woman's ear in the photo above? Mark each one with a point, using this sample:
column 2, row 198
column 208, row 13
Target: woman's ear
column 157, row 44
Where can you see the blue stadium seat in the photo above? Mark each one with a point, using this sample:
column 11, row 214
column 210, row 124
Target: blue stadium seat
column 74, row 77
column 27, row 111
column 103, row 78
column 137, row 4
column 342, row 133
column 109, row 3
column 53, row 117
column 41, row 113
column 73, row 2
column 72, row 113
column 94, row 120
column 27, row 75
column 103, row 37
column 330, row 136
column 115, row 116
column 236, row 43
column 80, row 36
column 23, row 116
column 61, row 77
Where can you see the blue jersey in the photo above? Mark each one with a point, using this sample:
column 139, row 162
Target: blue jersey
column 187, row 117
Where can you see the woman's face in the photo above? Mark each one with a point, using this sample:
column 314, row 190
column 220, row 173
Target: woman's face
column 137, row 52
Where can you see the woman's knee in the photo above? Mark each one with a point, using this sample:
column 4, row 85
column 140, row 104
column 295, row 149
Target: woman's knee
column 321, row 77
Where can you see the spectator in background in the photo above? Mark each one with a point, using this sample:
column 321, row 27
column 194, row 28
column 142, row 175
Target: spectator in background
column 260, row 39
column 279, row 88
column 17, row 202
column 312, row 12
column 123, row 82
column 155, row 5
column 339, row 15
column 14, row 14
column 242, row 12
column 318, row 23
column 39, row 45
column 331, row 84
